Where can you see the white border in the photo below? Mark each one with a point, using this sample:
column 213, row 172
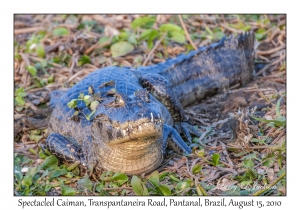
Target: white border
column 152, row 6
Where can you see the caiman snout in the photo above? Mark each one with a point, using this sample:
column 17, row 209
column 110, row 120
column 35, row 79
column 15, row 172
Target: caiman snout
column 143, row 124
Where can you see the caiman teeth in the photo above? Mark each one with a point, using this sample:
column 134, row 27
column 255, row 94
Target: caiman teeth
column 124, row 133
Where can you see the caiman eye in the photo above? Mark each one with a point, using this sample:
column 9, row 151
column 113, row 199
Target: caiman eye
column 116, row 101
column 143, row 95
column 119, row 100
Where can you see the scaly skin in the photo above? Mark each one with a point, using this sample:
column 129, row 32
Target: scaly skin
column 130, row 130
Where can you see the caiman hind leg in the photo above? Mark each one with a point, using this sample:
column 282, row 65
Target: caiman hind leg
column 66, row 151
column 159, row 87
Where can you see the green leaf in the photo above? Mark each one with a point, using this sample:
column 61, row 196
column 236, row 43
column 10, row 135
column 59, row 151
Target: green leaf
column 261, row 31
column 19, row 99
column 163, row 190
column 32, row 151
column 196, row 169
column 85, row 183
column 145, row 34
column 278, row 107
column 209, row 31
column 145, row 22
column 201, row 153
column 35, row 138
column 40, row 51
column 103, row 39
column 178, row 37
column 121, row 48
column 268, row 162
column 278, row 122
column 60, row 31
column 150, row 44
column 94, row 105
column 138, row 186
column 149, row 34
column 233, row 192
column 20, row 92
column 162, row 175
column 259, row 141
column 69, row 175
column 18, row 175
column 88, row 117
column 132, row 39
column 183, row 185
column 153, row 35
column 246, row 28
column 251, row 156
column 216, row 159
column 68, row 191
column 31, row 69
column 88, row 99
column 154, row 178
column 246, row 183
column 50, row 79
column 73, row 166
column 50, row 162
column 83, row 60
column 170, row 28
column 27, row 181
column 219, row 35
column 99, row 188
column 120, row 178
column 248, row 163
column 72, row 104
column 241, row 26
column 259, row 36
column 57, row 173
column 33, row 170
column 174, row 178
column 123, row 36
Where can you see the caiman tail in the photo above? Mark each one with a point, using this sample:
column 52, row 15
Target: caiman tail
column 209, row 70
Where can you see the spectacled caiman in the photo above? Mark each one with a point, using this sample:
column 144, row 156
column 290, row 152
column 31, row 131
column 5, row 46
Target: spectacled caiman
column 132, row 127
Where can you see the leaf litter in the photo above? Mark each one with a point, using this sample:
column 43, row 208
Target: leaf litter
column 243, row 139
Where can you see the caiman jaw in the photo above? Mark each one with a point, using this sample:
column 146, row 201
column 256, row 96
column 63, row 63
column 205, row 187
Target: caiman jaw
column 143, row 131
column 129, row 131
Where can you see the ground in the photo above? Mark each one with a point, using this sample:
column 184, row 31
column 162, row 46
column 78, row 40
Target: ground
column 242, row 147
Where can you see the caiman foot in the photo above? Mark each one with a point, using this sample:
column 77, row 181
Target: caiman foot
column 172, row 138
column 66, row 151
column 186, row 129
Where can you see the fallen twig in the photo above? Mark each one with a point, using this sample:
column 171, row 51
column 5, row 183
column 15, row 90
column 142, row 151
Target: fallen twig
column 28, row 30
column 187, row 33
column 268, row 52
column 269, row 186
column 97, row 46
column 153, row 49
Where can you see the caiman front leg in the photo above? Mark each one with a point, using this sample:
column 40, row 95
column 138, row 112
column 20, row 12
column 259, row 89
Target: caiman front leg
column 172, row 139
column 66, row 151
column 159, row 87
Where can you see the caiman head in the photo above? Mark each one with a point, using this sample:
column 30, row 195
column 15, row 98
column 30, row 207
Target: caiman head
column 125, row 118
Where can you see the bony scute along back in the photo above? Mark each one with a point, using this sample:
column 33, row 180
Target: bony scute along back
column 140, row 111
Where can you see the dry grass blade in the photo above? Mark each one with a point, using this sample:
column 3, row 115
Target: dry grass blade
column 274, row 63
column 187, row 33
column 268, row 52
column 28, row 30
column 258, row 193
column 97, row 46
column 154, row 48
